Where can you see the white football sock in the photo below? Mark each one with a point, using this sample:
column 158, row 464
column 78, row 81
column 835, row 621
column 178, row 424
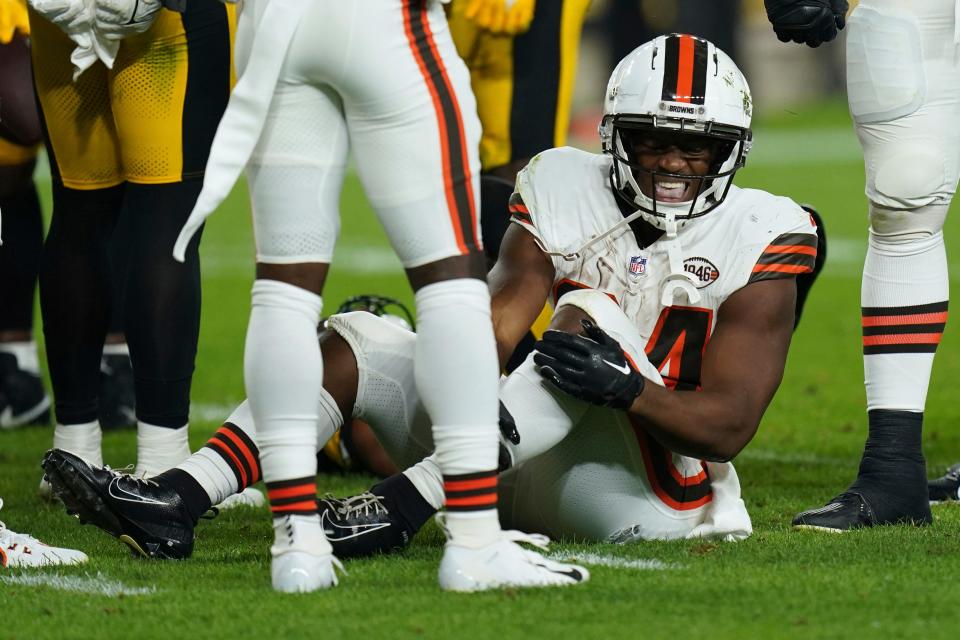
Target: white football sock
column 160, row 448
column 457, row 376
column 427, row 478
column 83, row 440
column 284, row 375
column 904, row 298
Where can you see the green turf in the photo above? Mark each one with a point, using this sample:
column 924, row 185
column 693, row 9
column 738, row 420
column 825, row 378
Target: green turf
column 892, row 582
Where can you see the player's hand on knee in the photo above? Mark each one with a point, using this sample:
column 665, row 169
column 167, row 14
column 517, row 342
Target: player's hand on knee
column 70, row 15
column 807, row 21
column 593, row 368
column 117, row 19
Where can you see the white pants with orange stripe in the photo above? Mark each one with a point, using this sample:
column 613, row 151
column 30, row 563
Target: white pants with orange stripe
column 380, row 78
column 605, row 480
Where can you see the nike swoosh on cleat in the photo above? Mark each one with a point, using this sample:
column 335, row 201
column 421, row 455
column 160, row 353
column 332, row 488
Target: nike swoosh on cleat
column 132, row 496
column 355, row 530
column 624, row 369
column 570, row 573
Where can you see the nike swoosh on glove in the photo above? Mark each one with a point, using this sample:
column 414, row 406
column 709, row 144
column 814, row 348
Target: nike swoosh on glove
column 117, row 19
column 592, row 368
column 807, row 21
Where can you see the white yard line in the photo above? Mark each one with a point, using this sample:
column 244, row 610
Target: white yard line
column 596, row 559
column 97, row 585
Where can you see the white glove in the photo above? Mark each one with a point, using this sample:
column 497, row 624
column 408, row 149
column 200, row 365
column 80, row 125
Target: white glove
column 117, row 19
column 72, row 16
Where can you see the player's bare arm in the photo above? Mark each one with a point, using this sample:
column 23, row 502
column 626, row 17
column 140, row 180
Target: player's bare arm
column 742, row 368
column 519, row 283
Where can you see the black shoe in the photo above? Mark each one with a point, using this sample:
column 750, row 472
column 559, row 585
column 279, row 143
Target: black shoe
column 23, row 400
column 946, row 487
column 850, row 510
column 117, row 395
column 148, row 517
column 361, row 525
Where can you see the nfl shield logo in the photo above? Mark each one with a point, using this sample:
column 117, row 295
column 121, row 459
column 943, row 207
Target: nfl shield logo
column 638, row 265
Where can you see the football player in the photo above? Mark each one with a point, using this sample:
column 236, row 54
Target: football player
column 322, row 78
column 677, row 273
column 22, row 396
column 903, row 89
column 127, row 142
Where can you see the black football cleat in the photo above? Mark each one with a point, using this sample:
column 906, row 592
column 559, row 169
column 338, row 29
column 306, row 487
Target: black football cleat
column 850, row 510
column 361, row 525
column 23, row 400
column 117, row 406
column 947, row 487
column 148, row 517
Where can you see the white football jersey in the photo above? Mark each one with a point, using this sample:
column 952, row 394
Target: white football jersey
column 564, row 198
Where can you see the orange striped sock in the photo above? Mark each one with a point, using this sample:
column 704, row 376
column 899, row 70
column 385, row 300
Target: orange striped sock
column 297, row 496
column 471, row 491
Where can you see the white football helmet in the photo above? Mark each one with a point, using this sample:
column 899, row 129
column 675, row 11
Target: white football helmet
column 686, row 84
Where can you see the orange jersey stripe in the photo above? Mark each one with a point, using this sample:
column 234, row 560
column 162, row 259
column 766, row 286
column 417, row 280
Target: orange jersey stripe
column 469, row 485
column 247, row 454
column 782, row 268
column 236, row 460
column 521, row 208
column 490, row 498
column 306, row 505
column 685, row 70
column 916, row 318
column 796, row 248
column 292, row 492
column 902, row 338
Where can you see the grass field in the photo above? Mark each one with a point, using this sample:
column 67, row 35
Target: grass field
column 893, row 582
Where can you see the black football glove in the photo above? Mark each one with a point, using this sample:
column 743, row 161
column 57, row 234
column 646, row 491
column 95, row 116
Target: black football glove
column 807, row 21
column 592, row 368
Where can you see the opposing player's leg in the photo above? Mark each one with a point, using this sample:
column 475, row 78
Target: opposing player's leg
column 87, row 178
column 912, row 166
column 168, row 90
column 22, row 397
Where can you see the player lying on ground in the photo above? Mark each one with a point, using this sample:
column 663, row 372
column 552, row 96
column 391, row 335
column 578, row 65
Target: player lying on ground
column 694, row 273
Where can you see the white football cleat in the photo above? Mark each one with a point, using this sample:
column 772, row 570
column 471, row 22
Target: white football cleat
column 303, row 559
column 302, row 572
column 249, row 497
column 22, row 550
column 505, row 563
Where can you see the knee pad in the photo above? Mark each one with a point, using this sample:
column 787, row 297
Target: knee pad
column 907, row 174
column 608, row 316
column 896, row 226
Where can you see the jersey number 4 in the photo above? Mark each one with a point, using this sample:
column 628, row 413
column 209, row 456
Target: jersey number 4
column 677, row 345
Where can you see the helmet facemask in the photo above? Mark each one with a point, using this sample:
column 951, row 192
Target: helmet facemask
column 620, row 135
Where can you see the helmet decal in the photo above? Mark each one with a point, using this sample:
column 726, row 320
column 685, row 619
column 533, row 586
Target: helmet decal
column 684, row 69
